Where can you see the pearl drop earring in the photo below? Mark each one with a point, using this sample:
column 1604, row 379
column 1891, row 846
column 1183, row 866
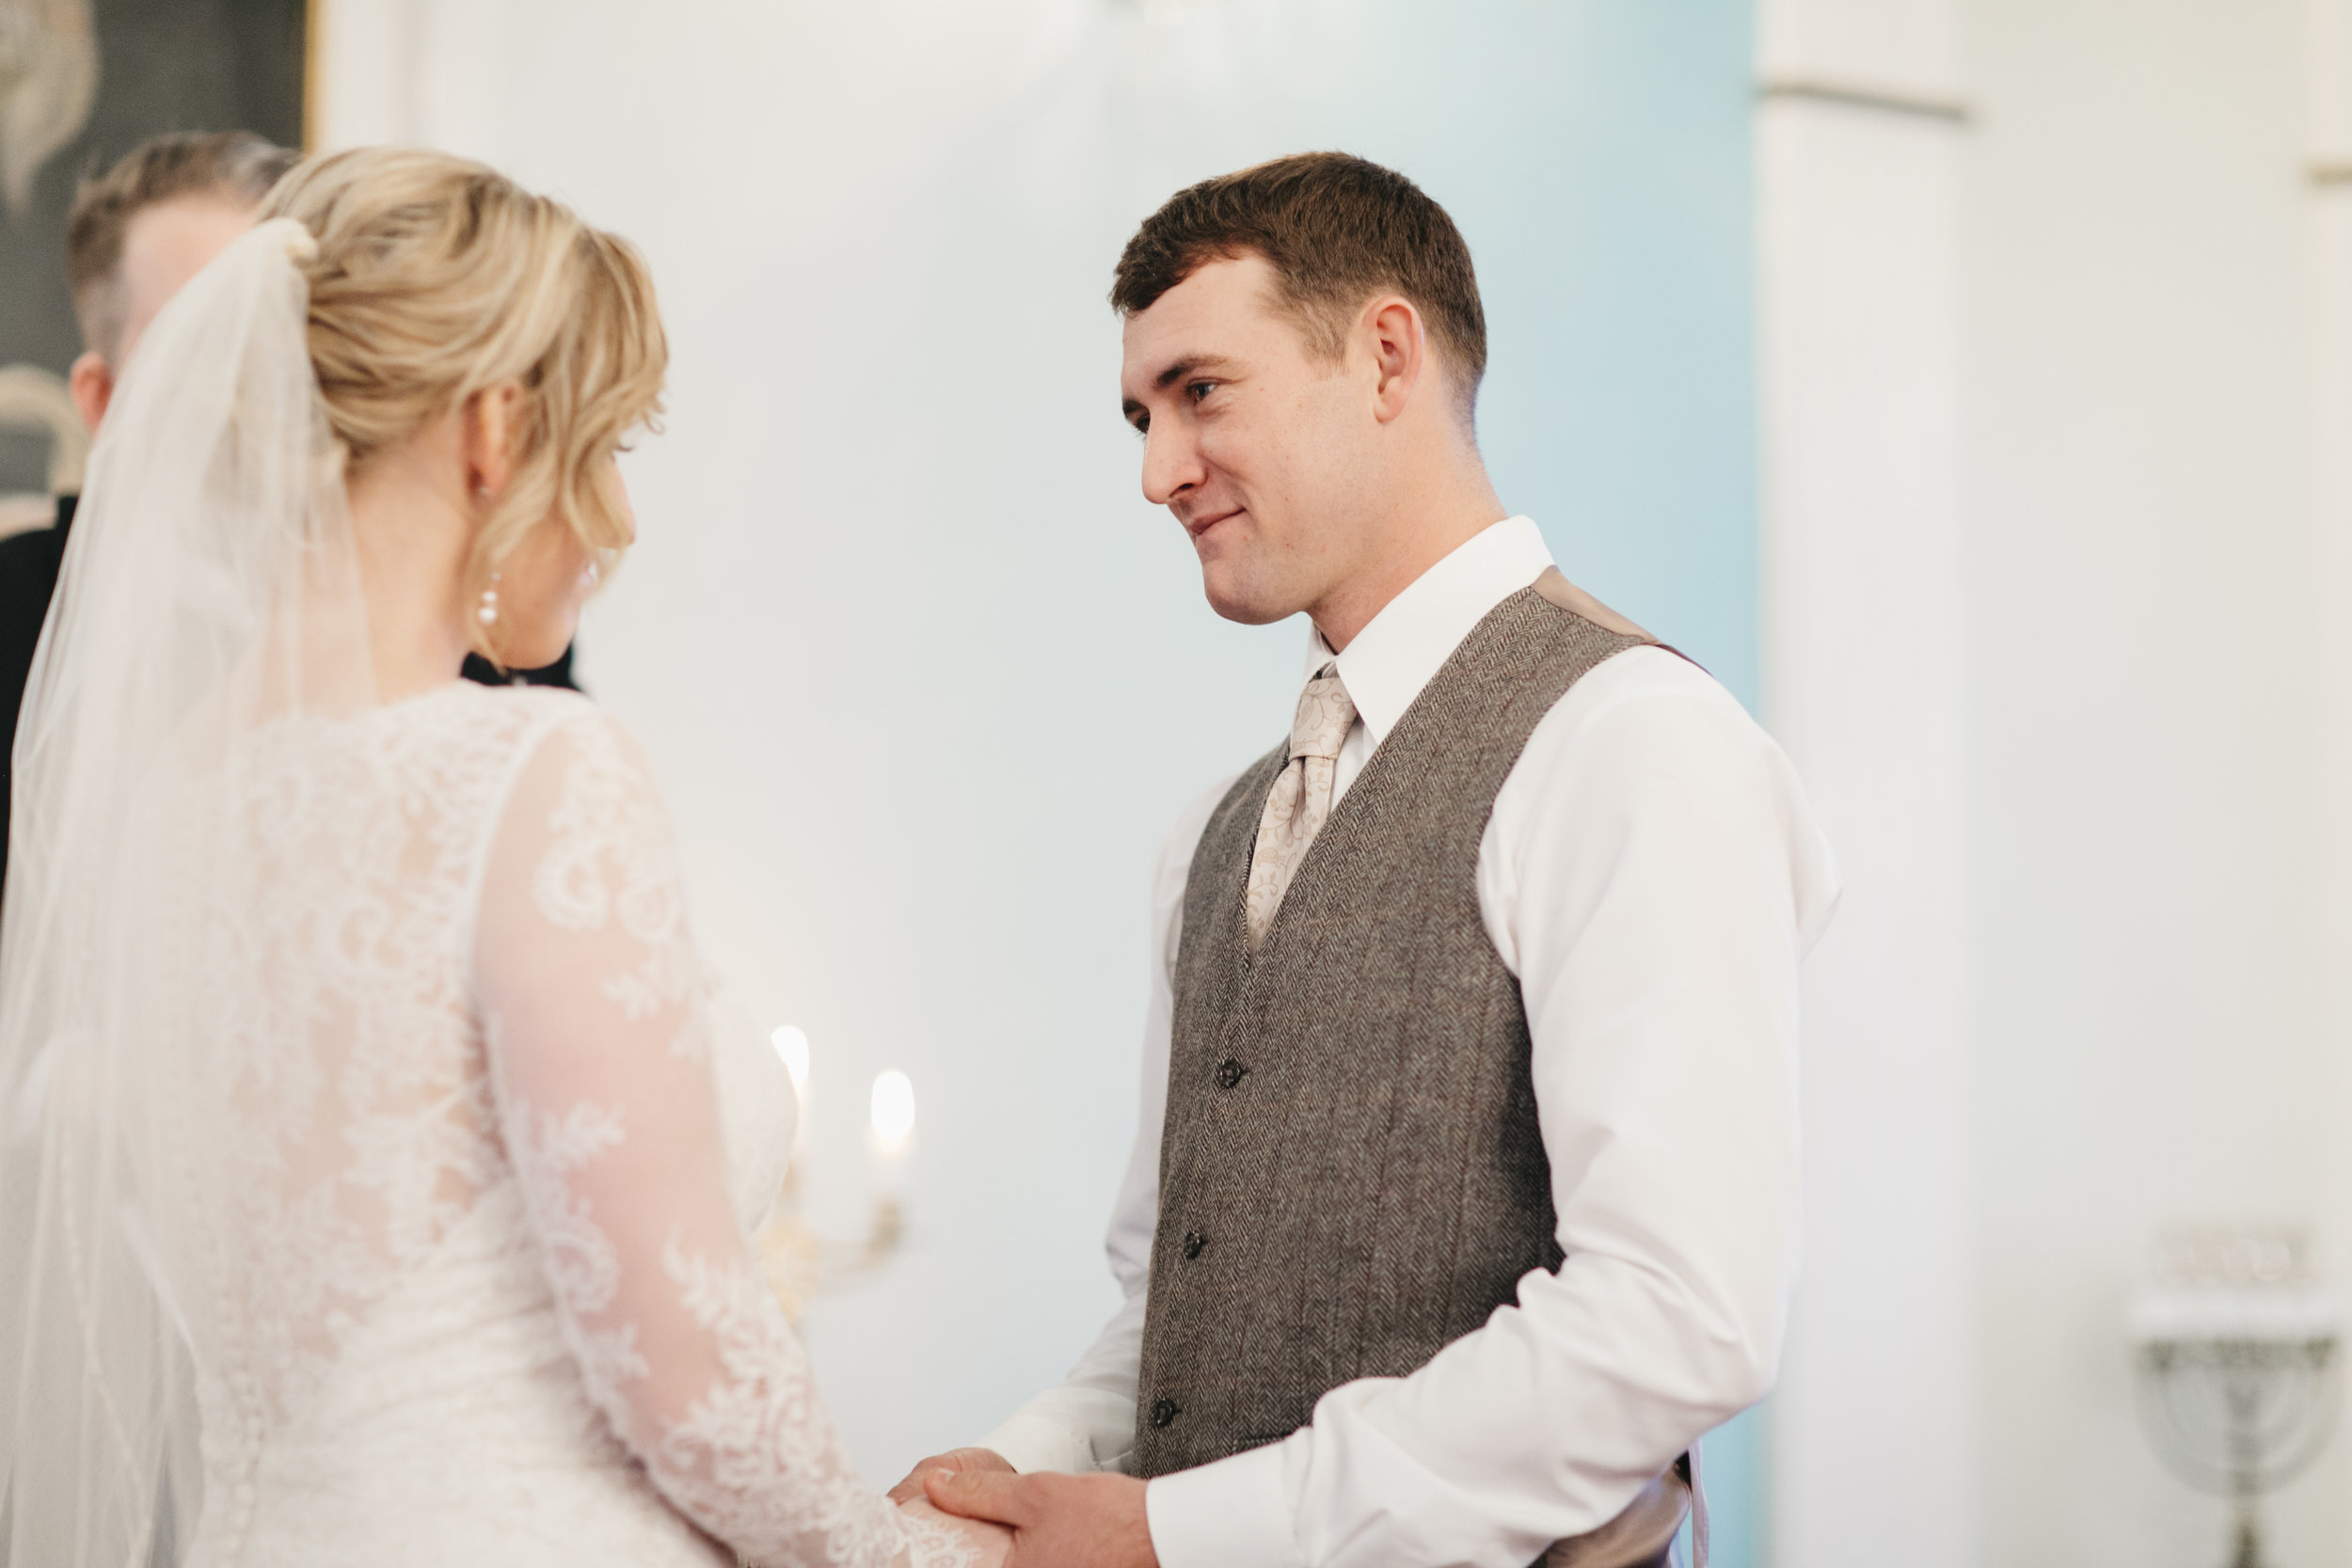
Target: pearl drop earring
column 488, row 613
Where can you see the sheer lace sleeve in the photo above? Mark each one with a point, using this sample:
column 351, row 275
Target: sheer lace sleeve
column 595, row 1012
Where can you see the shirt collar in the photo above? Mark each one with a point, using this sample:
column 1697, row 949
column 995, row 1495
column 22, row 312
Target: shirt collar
column 1415, row 633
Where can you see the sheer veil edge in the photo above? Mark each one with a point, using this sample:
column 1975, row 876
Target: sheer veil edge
column 209, row 590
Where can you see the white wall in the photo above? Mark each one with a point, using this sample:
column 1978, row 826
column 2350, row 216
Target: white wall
column 1875, row 1429
column 2330, row 55
column 2144, row 635
column 2101, row 652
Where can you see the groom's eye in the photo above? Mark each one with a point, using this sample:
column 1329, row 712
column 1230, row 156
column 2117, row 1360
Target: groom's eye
column 1199, row 389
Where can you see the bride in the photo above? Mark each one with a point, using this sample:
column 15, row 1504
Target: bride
column 364, row 1190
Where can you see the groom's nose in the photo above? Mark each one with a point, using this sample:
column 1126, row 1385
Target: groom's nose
column 1172, row 465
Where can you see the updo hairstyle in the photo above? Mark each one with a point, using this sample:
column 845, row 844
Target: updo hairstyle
column 437, row 278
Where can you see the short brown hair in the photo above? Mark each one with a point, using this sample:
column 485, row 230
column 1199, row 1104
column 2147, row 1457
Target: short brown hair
column 1337, row 229
column 236, row 165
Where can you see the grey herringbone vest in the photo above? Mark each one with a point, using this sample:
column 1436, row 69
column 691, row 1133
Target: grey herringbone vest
column 1351, row 1175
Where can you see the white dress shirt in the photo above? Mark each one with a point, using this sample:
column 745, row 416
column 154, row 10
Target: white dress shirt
column 1651, row 877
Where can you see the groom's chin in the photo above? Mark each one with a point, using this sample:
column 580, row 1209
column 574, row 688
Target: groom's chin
column 1234, row 596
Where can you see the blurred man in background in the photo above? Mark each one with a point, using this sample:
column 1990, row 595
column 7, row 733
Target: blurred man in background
column 137, row 235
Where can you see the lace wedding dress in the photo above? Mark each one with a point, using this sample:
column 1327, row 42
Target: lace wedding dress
column 478, row 1290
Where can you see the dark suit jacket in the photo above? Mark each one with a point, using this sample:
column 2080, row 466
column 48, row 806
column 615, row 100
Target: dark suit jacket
column 28, row 575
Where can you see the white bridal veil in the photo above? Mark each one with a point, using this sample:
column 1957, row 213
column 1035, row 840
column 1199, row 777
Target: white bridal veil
column 210, row 591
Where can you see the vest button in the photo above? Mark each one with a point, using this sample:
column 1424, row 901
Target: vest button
column 1194, row 1242
column 1229, row 1072
column 1163, row 1412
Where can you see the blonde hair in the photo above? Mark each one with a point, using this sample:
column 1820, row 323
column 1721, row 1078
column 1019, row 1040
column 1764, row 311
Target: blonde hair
column 437, row 278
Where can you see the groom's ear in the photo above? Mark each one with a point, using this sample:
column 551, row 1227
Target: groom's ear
column 489, row 421
column 1390, row 329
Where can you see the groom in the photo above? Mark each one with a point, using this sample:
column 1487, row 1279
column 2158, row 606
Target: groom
column 1465, row 1197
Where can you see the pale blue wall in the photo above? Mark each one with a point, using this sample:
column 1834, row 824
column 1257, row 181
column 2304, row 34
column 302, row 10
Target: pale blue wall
column 925, row 676
column 1608, row 199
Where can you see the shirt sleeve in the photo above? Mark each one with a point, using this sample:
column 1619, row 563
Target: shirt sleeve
column 595, row 1014
column 1653, row 877
column 1087, row 1421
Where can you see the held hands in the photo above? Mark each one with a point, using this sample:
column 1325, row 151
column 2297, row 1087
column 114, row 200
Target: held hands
column 911, row 1489
column 992, row 1542
column 1056, row 1521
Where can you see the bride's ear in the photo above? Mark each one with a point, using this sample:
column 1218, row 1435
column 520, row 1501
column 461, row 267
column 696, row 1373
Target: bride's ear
column 489, row 421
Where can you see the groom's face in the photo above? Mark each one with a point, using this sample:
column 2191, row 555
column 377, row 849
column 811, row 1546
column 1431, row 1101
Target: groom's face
column 1259, row 446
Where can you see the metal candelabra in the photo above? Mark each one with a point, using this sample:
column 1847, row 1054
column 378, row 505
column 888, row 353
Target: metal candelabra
column 2236, row 1351
column 803, row 1265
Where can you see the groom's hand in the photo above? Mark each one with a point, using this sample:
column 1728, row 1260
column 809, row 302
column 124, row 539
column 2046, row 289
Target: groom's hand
column 1056, row 1521
column 954, row 1459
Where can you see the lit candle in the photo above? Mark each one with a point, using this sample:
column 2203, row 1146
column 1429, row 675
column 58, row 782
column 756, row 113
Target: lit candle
column 893, row 1127
column 792, row 1045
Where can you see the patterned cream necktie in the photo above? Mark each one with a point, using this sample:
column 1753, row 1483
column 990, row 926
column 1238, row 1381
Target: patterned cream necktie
column 1300, row 801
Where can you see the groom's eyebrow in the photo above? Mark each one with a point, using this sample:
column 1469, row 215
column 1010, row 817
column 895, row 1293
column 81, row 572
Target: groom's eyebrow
column 1190, row 364
column 1187, row 366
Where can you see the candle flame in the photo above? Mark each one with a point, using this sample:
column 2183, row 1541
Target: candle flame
column 792, row 1045
column 893, row 1106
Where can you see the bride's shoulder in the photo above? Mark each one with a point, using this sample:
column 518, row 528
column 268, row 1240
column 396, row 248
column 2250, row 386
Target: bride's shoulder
column 560, row 741
column 508, row 714
column 517, row 732
column 580, row 789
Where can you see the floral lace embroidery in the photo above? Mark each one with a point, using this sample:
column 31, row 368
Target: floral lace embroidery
column 607, row 815
column 700, row 1374
column 757, row 1458
column 332, row 1032
column 581, row 1263
column 933, row 1544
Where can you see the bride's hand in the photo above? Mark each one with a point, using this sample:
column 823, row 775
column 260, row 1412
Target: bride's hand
column 985, row 1545
column 954, row 1459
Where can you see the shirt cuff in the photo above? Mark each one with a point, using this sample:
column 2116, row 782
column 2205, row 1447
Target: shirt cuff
column 1066, row 1430
column 1029, row 1444
column 1235, row 1513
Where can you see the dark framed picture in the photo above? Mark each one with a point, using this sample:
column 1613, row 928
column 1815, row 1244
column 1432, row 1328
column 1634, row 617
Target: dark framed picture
column 81, row 82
